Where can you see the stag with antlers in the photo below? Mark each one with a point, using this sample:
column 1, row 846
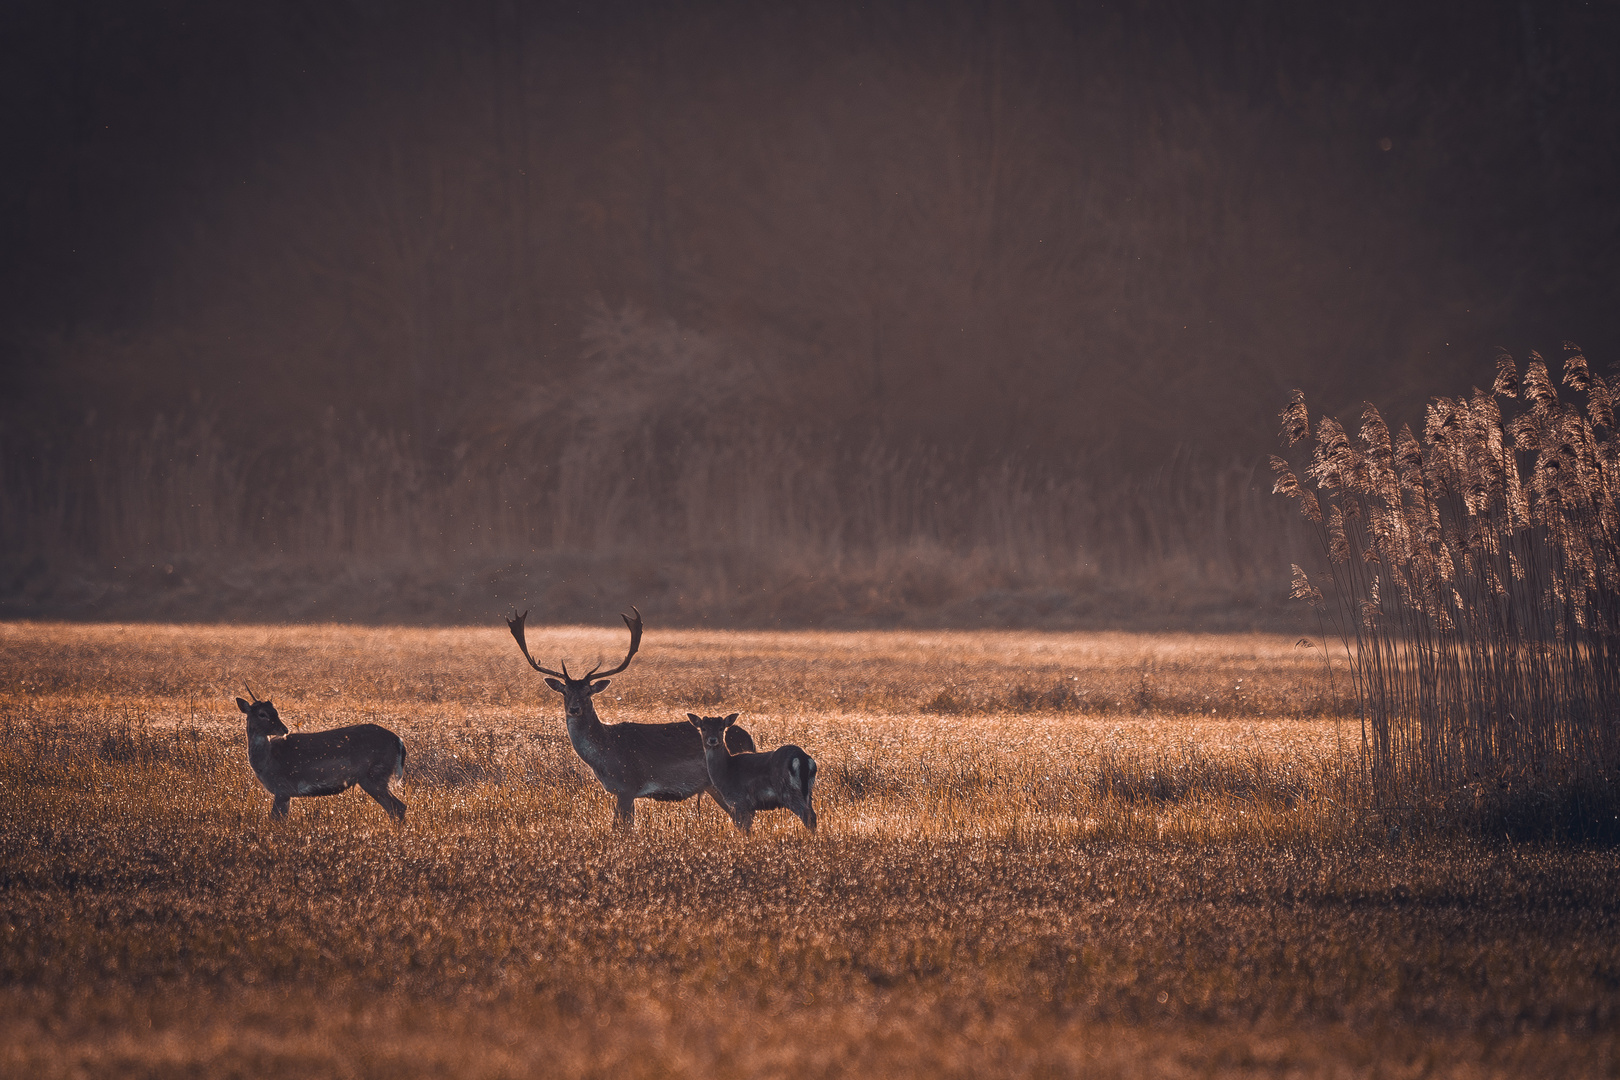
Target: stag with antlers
column 632, row 761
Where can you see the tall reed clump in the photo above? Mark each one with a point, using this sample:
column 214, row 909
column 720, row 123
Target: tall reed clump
column 1474, row 579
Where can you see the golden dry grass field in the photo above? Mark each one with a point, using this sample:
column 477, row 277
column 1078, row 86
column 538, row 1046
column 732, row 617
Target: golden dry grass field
column 1039, row 855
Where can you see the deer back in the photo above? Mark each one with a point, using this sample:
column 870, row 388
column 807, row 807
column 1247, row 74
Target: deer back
column 328, row 762
column 655, row 761
column 778, row 779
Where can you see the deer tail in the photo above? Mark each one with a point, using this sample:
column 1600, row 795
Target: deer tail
column 802, row 772
column 399, row 762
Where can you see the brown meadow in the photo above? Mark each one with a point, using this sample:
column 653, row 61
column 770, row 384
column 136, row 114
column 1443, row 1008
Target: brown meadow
column 1040, row 854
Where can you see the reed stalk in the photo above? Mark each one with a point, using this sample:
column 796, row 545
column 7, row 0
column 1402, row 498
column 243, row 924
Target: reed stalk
column 1473, row 579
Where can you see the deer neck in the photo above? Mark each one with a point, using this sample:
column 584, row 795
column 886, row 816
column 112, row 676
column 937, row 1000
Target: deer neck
column 718, row 759
column 588, row 735
column 586, row 728
column 258, row 750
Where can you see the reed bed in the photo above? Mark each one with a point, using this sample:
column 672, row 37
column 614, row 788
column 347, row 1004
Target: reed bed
column 1473, row 579
column 191, row 521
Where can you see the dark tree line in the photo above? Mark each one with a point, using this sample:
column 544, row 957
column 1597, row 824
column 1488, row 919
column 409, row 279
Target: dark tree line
column 1030, row 228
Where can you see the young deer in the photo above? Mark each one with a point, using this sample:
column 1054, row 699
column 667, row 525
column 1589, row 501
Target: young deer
column 632, row 761
column 780, row 780
column 321, row 762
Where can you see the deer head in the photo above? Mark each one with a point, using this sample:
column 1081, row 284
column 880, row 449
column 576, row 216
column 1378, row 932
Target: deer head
column 577, row 693
column 262, row 718
column 712, row 728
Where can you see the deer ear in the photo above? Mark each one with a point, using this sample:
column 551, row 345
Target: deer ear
column 555, row 685
column 692, row 718
column 598, row 687
column 240, row 704
column 732, row 719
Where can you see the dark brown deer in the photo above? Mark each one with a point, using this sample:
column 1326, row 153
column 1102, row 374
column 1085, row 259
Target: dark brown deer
column 632, row 761
column 321, row 762
column 782, row 779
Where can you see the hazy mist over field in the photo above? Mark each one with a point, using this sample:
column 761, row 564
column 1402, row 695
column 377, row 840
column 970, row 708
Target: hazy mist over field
column 712, row 297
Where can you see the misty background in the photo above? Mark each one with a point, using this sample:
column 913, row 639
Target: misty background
column 947, row 313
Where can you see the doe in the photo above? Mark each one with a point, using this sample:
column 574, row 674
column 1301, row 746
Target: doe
column 321, row 762
column 780, row 779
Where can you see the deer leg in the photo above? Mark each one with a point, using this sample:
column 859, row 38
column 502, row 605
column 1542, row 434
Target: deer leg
column 278, row 809
column 806, row 812
column 744, row 820
column 714, row 793
column 384, row 797
column 624, row 816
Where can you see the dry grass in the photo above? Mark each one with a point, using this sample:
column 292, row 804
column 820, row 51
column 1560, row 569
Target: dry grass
column 1040, row 855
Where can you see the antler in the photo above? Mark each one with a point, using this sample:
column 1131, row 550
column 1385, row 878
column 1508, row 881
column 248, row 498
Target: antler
column 516, row 626
column 251, row 694
column 635, row 643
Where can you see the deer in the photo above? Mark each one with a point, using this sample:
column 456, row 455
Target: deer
column 782, row 779
column 321, row 762
column 631, row 761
